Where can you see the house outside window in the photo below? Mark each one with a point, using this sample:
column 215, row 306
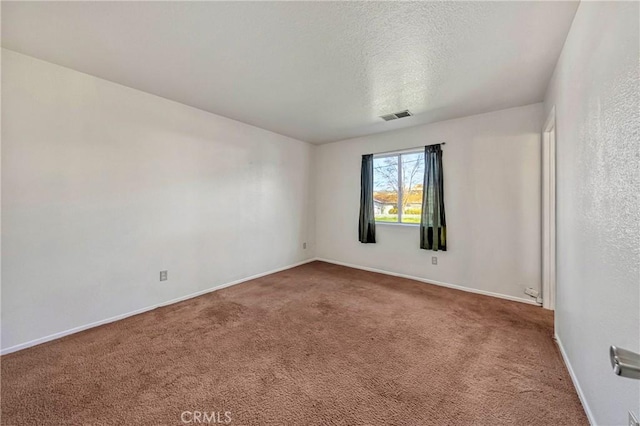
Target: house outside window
column 397, row 187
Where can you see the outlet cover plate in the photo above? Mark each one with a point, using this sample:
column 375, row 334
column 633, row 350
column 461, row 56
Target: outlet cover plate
column 164, row 275
column 531, row 292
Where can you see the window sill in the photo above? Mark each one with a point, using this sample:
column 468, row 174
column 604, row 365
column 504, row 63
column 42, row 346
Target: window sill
column 397, row 224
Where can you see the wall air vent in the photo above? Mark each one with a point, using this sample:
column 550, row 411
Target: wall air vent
column 396, row 115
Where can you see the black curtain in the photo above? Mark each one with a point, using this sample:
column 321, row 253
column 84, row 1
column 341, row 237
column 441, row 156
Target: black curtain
column 433, row 226
column 367, row 224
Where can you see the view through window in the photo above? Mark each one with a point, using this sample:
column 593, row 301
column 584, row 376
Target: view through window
column 397, row 187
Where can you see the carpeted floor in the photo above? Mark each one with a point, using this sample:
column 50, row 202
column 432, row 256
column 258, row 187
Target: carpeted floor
column 319, row 344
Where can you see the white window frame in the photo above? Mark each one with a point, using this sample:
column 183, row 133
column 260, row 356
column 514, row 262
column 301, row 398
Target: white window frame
column 400, row 185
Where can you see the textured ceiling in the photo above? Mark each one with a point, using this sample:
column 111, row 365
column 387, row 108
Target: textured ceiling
column 316, row 71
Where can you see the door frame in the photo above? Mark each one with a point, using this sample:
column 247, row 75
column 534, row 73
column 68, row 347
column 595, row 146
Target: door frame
column 549, row 211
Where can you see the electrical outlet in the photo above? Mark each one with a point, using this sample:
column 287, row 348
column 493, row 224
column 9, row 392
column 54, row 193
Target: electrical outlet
column 633, row 421
column 531, row 292
column 164, row 275
column 304, row 246
column 434, row 260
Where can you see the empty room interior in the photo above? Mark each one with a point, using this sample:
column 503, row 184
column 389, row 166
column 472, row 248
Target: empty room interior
column 320, row 213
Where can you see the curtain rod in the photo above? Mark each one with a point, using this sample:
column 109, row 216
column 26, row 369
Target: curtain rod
column 406, row 149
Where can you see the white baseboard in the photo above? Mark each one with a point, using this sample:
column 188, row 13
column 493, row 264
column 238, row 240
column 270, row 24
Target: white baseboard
column 438, row 283
column 142, row 310
column 576, row 384
column 229, row 284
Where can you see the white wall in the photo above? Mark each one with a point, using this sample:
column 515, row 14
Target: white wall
column 596, row 90
column 492, row 199
column 103, row 186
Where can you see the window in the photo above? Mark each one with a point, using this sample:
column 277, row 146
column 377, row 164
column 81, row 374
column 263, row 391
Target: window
column 397, row 187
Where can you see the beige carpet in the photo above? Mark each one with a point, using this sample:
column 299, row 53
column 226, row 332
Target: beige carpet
column 315, row 345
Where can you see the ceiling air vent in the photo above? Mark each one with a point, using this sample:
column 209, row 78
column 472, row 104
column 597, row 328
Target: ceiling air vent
column 396, row 115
